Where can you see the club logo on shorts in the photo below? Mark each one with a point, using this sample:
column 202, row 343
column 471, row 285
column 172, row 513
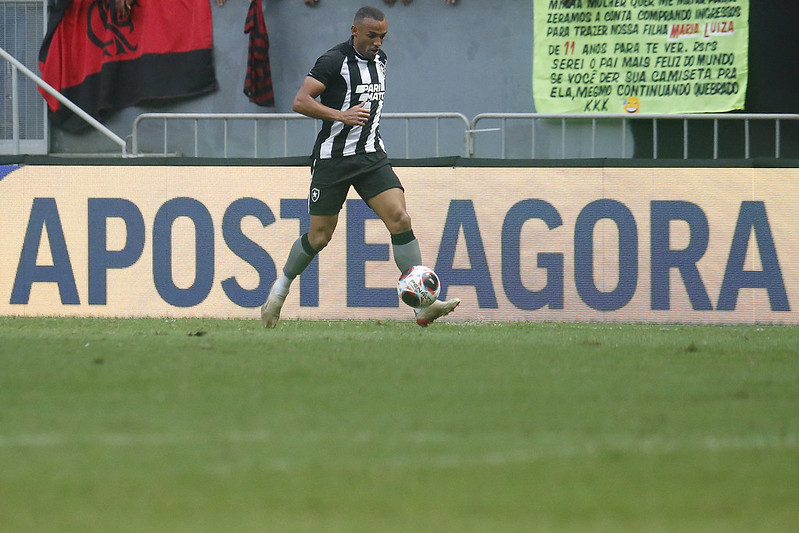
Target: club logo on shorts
column 314, row 194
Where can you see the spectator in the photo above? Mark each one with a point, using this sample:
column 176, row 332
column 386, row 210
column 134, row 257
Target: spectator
column 123, row 8
column 220, row 3
column 313, row 3
column 406, row 2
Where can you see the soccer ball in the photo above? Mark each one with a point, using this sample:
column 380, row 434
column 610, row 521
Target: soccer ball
column 418, row 286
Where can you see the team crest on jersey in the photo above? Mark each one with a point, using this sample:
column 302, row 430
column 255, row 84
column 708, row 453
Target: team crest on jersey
column 315, row 193
column 382, row 65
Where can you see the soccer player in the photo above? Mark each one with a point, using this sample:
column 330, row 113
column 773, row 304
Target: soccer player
column 345, row 90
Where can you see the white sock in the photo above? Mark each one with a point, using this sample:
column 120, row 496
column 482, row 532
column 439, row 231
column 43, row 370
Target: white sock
column 282, row 285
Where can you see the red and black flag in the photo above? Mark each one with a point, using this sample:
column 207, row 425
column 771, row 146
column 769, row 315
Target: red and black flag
column 102, row 62
column 258, row 83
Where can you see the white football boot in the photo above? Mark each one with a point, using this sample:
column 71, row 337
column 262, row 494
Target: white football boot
column 270, row 311
column 435, row 310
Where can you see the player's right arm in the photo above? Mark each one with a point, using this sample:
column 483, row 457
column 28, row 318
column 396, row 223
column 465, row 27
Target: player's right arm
column 306, row 103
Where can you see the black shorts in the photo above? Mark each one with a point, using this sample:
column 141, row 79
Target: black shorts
column 331, row 179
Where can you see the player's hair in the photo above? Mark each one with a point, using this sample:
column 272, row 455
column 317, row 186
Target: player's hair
column 369, row 12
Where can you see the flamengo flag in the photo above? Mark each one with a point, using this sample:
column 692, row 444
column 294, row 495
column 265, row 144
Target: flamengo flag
column 164, row 49
column 258, row 83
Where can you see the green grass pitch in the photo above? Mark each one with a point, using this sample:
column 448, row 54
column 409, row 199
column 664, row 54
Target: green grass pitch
column 151, row 425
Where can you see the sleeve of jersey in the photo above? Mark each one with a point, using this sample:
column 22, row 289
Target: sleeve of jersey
column 327, row 67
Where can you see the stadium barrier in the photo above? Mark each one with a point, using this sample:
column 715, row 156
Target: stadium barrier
column 547, row 136
column 569, row 135
column 16, row 141
column 518, row 135
column 605, row 241
column 23, row 113
column 270, row 130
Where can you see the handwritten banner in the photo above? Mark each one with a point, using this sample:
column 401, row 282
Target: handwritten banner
column 648, row 56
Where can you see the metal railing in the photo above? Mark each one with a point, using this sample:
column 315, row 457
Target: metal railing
column 18, row 66
column 563, row 136
column 23, row 115
column 590, row 123
column 278, row 125
column 597, row 135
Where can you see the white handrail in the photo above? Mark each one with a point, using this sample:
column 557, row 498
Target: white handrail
column 471, row 127
column 165, row 117
column 624, row 117
column 96, row 124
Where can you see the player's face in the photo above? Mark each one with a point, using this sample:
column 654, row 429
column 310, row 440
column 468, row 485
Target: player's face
column 367, row 37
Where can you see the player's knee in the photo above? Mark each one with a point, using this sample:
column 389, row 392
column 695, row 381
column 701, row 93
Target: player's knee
column 400, row 222
column 318, row 239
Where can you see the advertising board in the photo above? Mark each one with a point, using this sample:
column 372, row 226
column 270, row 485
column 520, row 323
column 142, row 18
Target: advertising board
column 687, row 245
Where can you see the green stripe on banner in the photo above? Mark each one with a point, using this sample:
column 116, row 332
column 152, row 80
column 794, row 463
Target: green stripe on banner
column 648, row 56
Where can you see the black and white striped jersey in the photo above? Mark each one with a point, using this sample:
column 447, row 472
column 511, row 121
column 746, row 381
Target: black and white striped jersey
column 350, row 79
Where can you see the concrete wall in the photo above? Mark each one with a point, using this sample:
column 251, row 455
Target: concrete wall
column 473, row 57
